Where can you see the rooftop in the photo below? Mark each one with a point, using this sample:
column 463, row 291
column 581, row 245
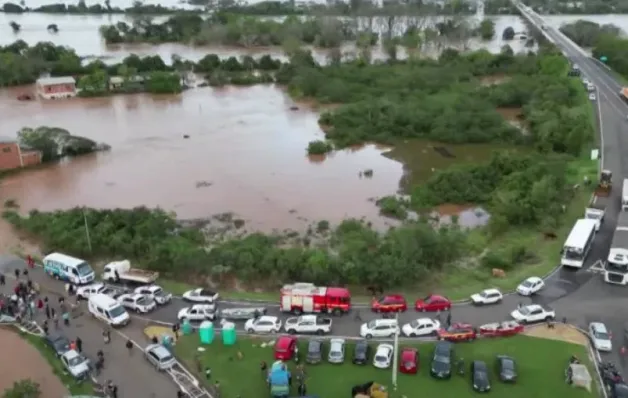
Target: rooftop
column 48, row 81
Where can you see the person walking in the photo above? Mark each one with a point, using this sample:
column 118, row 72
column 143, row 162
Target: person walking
column 129, row 346
column 47, row 311
column 44, row 327
column 3, row 280
column 30, row 261
column 449, row 318
column 55, row 320
column 106, row 335
column 17, row 273
column 79, row 344
column 114, row 391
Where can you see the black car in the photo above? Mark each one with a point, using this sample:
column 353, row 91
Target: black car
column 619, row 390
column 479, row 376
column 361, row 353
column 507, row 369
column 442, row 361
column 58, row 342
column 314, row 351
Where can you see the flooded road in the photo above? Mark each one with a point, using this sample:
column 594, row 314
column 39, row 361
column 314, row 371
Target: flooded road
column 246, row 154
column 81, row 32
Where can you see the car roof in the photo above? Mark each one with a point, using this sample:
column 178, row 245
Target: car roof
column 424, row 320
column 599, row 327
column 315, row 344
column 533, row 279
column 437, row 296
column 479, row 364
column 384, row 321
column 533, row 306
column 408, row 353
column 394, row 296
column 202, row 306
column 159, row 350
column 441, row 346
column 385, row 347
column 269, row 318
column 285, row 341
column 337, row 341
column 71, row 354
column 491, row 291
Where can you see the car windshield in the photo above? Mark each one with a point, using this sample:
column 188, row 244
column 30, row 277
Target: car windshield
column 480, row 375
column 527, row 284
column 408, row 364
column 381, row 358
column 159, row 293
column 524, row 310
column 314, row 346
column 335, row 354
column 144, row 301
column 484, row 294
column 116, row 311
column 441, row 358
column 62, row 343
column 427, row 299
column 372, row 324
column 76, row 361
column 84, row 269
column 414, row 324
column 507, row 364
column 601, row 335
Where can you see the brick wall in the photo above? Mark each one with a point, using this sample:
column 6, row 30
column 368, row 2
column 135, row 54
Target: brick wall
column 9, row 156
column 30, row 158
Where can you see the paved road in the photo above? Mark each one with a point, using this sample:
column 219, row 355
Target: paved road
column 134, row 377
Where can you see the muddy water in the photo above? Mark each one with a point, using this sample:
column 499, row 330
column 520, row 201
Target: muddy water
column 246, row 153
column 81, row 33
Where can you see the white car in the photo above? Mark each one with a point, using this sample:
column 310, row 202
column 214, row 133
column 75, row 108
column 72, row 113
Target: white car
column 533, row 313
column 379, row 328
column 137, row 302
column 530, row 286
column 76, row 364
column 263, row 324
column 156, row 293
column 600, row 336
column 84, row 292
column 421, row 327
column 336, row 351
column 487, row 296
column 200, row 295
column 592, row 97
column 383, row 356
column 198, row 312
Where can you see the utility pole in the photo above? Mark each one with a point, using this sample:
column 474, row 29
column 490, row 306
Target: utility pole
column 395, row 354
column 89, row 240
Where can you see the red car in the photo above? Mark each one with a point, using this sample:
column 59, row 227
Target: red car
column 285, row 348
column 409, row 361
column 433, row 302
column 390, row 303
column 458, row 332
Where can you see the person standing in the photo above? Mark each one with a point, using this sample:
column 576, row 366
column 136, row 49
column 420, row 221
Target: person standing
column 3, row 280
column 106, row 334
column 17, row 273
column 129, row 346
column 79, row 344
column 449, row 318
column 114, row 391
column 47, row 310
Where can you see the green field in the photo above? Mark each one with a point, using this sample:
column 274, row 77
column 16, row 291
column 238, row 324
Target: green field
column 541, row 365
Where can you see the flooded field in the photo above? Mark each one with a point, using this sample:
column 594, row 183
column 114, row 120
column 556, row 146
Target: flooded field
column 246, row 153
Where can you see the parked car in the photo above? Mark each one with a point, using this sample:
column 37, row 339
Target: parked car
column 533, row 313
column 530, row 286
column 487, row 296
column 286, row 348
column 383, row 356
column 314, row 352
column 156, row 293
column 198, row 312
column 421, row 327
column 479, row 376
column 336, row 351
column 409, row 360
column 76, row 364
column 200, row 295
column 159, row 356
column 506, row 369
column 619, row 390
column 600, row 336
column 263, row 324
column 442, row 360
column 58, row 342
column 432, row 303
column 361, row 352
column 139, row 303
column 389, row 303
column 379, row 328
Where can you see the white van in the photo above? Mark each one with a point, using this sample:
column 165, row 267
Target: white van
column 69, row 269
column 379, row 328
column 108, row 310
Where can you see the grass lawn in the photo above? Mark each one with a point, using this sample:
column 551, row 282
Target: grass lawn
column 541, row 365
column 73, row 387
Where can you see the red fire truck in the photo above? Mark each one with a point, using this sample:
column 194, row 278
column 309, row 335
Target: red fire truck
column 298, row 298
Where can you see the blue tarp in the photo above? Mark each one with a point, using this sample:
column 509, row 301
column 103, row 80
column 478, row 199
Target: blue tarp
column 279, row 377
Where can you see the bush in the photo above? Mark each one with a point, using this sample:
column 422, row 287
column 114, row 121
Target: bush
column 319, row 147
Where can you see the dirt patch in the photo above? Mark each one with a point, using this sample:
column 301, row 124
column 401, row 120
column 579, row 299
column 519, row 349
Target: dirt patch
column 26, row 363
column 511, row 114
column 14, row 242
column 559, row 332
column 495, row 79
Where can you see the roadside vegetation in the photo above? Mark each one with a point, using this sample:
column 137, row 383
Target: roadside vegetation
column 588, row 34
column 23, row 389
column 540, row 367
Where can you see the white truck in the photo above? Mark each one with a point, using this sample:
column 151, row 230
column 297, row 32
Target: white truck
column 308, row 324
column 121, row 271
column 624, row 195
column 595, row 212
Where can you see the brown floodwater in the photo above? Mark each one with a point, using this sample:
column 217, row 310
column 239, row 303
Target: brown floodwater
column 246, row 154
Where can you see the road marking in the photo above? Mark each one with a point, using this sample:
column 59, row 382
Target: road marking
column 599, row 116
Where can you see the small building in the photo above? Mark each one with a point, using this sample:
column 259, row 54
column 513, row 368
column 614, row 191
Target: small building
column 56, row 87
column 13, row 156
column 118, row 82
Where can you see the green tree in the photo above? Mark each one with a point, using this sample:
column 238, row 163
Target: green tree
column 487, row 29
column 23, row 389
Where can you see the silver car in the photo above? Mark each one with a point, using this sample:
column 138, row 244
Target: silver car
column 336, row 351
column 159, row 356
